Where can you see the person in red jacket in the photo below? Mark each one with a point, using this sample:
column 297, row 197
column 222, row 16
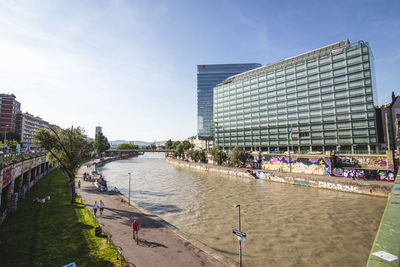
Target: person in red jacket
column 135, row 229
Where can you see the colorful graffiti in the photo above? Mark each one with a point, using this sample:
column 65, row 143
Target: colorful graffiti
column 6, row 177
column 317, row 166
column 383, row 175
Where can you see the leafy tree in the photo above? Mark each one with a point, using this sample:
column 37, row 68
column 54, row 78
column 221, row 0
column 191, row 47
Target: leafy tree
column 200, row 156
column 175, row 144
column 12, row 143
column 217, row 155
column 101, row 143
column 238, row 156
column 191, row 154
column 65, row 147
column 187, row 145
column 179, row 151
column 168, row 144
column 127, row 146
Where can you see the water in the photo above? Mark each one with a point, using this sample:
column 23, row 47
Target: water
column 286, row 225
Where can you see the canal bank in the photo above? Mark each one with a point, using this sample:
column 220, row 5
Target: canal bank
column 161, row 244
column 366, row 187
column 285, row 225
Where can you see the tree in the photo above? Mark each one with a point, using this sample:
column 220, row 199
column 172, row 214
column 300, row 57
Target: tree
column 12, row 143
column 200, row 156
column 101, row 143
column 65, row 147
column 191, row 154
column 187, row 145
column 238, row 156
column 175, row 144
column 168, row 144
column 179, row 151
column 127, row 146
column 217, row 155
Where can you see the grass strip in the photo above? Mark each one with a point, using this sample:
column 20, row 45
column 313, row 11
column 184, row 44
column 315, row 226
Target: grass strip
column 54, row 233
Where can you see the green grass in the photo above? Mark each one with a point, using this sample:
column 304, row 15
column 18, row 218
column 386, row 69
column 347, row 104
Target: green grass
column 54, row 233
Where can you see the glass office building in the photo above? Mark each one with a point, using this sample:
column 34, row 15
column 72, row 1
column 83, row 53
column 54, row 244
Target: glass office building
column 208, row 76
column 320, row 100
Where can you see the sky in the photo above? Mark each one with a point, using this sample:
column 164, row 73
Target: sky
column 130, row 66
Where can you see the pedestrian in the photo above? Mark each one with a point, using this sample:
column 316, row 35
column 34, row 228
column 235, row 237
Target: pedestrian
column 135, row 230
column 95, row 206
column 101, row 207
column 79, row 183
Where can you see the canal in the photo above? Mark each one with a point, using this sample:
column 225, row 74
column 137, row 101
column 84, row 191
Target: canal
column 286, row 225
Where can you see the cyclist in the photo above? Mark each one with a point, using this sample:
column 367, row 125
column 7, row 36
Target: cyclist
column 135, row 229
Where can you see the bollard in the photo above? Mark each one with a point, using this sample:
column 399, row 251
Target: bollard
column 109, row 239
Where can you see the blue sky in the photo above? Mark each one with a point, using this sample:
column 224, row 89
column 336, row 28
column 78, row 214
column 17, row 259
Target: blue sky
column 131, row 65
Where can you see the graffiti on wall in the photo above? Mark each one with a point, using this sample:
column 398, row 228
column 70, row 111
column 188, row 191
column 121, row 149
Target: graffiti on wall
column 6, row 177
column 383, row 175
column 363, row 162
column 320, row 166
column 339, row 187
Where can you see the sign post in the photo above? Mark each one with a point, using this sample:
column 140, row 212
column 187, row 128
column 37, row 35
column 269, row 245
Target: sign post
column 239, row 235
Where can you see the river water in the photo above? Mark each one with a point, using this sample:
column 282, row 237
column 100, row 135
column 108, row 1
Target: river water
column 286, row 225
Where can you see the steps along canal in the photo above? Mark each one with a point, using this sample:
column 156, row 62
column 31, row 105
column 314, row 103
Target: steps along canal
column 286, row 225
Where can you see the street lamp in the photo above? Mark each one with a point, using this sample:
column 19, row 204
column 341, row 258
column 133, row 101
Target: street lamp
column 240, row 242
column 216, row 133
column 129, row 193
column 5, row 134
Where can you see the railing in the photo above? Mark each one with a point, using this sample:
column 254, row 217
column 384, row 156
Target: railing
column 10, row 158
column 386, row 248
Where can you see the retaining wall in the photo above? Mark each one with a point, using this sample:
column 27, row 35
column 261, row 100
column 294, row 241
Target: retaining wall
column 374, row 188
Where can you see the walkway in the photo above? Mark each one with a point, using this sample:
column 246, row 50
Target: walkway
column 158, row 246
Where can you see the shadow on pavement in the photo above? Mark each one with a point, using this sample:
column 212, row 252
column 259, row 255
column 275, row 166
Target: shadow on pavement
column 148, row 244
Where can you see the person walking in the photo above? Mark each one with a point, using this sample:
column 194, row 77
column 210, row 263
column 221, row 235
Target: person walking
column 135, row 231
column 95, row 207
column 79, row 183
column 101, row 207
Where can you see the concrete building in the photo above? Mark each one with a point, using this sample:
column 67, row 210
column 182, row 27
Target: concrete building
column 200, row 144
column 98, row 130
column 9, row 110
column 319, row 100
column 29, row 125
column 208, row 76
column 390, row 117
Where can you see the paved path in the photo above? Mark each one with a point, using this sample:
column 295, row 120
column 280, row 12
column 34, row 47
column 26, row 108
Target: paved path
column 158, row 246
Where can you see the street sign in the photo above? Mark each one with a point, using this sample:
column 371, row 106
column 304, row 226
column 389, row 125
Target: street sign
column 239, row 238
column 238, row 233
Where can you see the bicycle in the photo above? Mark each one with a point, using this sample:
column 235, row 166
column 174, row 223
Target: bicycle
column 136, row 235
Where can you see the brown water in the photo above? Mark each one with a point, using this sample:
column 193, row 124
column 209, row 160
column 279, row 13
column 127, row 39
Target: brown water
column 286, row 225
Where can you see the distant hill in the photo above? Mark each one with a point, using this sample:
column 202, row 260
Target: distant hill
column 115, row 143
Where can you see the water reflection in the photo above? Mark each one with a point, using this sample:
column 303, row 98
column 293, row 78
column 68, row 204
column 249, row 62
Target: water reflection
column 286, row 225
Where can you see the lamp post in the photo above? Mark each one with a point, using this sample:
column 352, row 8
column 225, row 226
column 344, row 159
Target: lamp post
column 240, row 242
column 5, row 134
column 216, row 133
column 129, row 192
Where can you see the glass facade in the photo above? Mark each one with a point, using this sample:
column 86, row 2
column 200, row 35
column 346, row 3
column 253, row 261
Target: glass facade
column 324, row 97
column 208, row 76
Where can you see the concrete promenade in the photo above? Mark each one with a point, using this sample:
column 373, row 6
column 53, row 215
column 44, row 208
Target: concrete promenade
column 159, row 244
